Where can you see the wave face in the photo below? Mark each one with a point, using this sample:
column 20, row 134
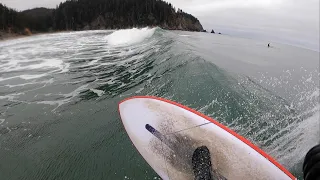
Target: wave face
column 129, row 36
column 59, row 96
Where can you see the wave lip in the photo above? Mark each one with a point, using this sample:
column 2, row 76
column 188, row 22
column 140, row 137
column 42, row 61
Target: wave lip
column 127, row 37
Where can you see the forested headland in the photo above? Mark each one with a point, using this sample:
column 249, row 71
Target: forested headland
column 97, row 14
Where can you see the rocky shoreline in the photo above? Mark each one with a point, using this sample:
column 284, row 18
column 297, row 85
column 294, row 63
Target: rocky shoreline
column 8, row 36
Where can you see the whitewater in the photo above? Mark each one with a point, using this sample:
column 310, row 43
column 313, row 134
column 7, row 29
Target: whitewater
column 59, row 95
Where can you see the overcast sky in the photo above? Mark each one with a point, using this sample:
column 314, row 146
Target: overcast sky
column 289, row 21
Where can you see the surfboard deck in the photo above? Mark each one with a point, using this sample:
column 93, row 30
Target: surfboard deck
column 166, row 134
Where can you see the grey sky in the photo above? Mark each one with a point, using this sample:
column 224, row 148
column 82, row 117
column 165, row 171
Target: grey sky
column 289, row 21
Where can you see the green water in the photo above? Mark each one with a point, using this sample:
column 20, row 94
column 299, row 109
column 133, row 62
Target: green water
column 59, row 96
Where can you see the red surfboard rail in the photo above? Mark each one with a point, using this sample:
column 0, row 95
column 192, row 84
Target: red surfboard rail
column 260, row 151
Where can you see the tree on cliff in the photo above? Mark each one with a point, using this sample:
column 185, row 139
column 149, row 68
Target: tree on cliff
column 8, row 17
column 112, row 14
column 39, row 19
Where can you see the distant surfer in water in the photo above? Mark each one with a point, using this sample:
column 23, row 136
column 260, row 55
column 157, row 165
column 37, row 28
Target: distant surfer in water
column 268, row 45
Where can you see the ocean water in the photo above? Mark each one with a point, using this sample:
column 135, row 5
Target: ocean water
column 59, row 95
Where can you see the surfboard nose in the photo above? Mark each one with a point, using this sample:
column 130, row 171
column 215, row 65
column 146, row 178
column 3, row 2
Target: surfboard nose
column 183, row 144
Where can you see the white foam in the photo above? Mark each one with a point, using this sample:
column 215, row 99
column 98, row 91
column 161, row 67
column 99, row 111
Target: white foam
column 129, row 36
column 313, row 95
column 65, row 68
column 1, row 121
column 140, row 90
column 19, row 85
column 93, row 62
column 27, row 76
column 309, row 79
column 75, row 92
column 52, row 63
column 98, row 92
column 302, row 138
column 11, row 97
column 68, row 97
column 5, row 79
column 57, row 103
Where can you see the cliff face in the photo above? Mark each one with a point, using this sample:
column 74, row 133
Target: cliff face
column 183, row 23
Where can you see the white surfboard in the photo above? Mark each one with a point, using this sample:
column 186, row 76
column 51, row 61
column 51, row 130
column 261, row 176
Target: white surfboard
column 166, row 134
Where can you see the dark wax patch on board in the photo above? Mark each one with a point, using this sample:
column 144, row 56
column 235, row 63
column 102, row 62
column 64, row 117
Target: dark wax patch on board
column 201, row 162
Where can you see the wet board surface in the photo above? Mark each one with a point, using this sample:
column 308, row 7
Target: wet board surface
column 166, row 134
